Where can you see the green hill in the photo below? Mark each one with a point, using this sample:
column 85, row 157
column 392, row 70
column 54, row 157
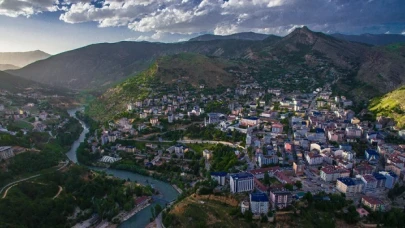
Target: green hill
column 391, row 105
column 167, row 75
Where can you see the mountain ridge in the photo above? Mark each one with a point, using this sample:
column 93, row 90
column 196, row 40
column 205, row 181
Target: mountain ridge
column 372, row 39
column 21, row 59
column 237, row 36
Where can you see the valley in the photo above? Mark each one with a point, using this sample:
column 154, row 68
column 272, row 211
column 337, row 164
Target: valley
column 247, row 129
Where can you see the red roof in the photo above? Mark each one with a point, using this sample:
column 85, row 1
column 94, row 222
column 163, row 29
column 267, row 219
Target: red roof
column 372, row 200
column 259, row 185
column 263, row 170
column 141, row 199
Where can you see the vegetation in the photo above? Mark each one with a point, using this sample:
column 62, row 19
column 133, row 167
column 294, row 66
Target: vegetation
column 31, row 204
column 391, row 105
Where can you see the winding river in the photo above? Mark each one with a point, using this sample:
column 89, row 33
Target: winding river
column 142, row 218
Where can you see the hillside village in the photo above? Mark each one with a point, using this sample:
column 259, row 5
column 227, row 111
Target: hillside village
column 276, row 146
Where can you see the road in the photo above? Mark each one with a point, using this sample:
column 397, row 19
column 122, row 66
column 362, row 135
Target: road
column 28, row 178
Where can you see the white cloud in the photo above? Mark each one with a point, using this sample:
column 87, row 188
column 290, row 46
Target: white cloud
column 185, row 17
column 403, row 33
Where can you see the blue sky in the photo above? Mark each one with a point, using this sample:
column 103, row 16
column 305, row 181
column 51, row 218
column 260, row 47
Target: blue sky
column 55, row 26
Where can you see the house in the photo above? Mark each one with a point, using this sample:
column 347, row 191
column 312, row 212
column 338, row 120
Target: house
column 6, row 152
column 249, row 121
column 220, row 177
column 349, row 186
column 244, row 206
column 154, row 121
column 259, row 203
column 241, row 182
column 207, row 154
column 280, row 198
column 313, row 158
column 374, row 203
column 277, row 128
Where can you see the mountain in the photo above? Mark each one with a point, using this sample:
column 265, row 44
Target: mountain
column 372, row 39
column 391, row 105
column 21, row 59
column 185, row 71
column 236, row 36
column 4, row 67
column 15, row 84
column 100, row 65
column 308, row 59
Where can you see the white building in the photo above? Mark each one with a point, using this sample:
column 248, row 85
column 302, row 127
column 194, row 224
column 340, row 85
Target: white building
column 313, row 159
column 6, row 152
column 267, row 159
column 259, row 203
column 207, row 154
column 220, row 177
column 241, row 182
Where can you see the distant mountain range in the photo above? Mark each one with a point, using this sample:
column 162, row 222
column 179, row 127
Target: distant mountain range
column 360, row 70
column 4, row 67
column 237, row 36
column 372, row 39
column 21, row 59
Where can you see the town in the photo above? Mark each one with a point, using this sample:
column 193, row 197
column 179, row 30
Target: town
column 271, row 146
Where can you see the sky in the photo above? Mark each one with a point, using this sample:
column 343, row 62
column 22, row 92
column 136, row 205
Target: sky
column 56, row 26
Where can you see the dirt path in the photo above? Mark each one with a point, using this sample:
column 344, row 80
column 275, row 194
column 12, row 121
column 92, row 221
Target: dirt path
column 57, row 194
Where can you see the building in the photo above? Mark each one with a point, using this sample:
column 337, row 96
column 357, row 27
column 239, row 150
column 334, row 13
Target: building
column 369, row 182
column 280, row 198
column 6, row 152
column 373, row 203
column 331, row 173
column 313, row 158
column 267, row 159
column 207, row 154
column 154, row 121
column 259, row 203
column 372, row 155
column 241, row 182
column 220, row 177
column 381, row 179
column 259, row 173
column 363, row 169
column 349, row 186
column 277, row 128
column 391, row 179
column 244, row 206
column 249, row 121
column 298, row 168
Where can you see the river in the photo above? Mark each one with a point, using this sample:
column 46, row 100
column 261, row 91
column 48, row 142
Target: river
column 142, row 218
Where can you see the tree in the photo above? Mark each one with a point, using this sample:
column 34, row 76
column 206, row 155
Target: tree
column 266, row 178
column 308, row 197
column 298, row 184
column 248, row 216
column 289, row 187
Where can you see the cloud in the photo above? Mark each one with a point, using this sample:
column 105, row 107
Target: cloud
column 158, row 18
column 15, row 8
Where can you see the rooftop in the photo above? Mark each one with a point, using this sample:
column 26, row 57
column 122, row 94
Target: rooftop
column 241, row 175
column 259, row 197
column 3, row 148
column 220, row 174
column 372, row 200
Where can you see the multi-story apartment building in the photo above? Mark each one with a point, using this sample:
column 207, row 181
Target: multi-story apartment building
column 349, row 186
column 241, row 182
column 280, row 198
column 259, row 203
